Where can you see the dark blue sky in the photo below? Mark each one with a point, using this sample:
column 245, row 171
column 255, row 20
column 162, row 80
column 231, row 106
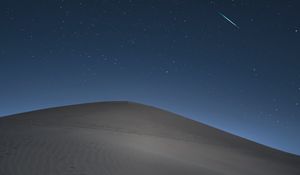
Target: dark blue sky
column 178, row 55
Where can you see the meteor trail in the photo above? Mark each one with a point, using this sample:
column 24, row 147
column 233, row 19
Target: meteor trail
column 231, row 22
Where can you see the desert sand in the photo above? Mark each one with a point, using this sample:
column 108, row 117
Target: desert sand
column 125, row 138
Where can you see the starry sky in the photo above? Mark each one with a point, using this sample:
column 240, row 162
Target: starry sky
column 232, row 64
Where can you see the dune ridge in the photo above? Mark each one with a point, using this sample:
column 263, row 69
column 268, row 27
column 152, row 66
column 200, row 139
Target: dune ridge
column 128, row 138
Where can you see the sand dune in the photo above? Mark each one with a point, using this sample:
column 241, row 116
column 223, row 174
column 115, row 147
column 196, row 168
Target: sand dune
column 120, row 138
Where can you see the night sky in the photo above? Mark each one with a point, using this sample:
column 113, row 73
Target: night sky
column 232, row 64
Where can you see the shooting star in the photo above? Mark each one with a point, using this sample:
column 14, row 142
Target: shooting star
column 227, row 19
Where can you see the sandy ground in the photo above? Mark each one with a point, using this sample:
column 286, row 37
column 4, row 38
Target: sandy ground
column 120, row 138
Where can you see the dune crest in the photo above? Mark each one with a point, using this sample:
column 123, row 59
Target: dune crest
column 119, row 138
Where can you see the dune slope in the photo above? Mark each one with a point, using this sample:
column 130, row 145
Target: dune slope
column 119, row 138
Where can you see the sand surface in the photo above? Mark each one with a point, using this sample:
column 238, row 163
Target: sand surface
column 120, row 138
